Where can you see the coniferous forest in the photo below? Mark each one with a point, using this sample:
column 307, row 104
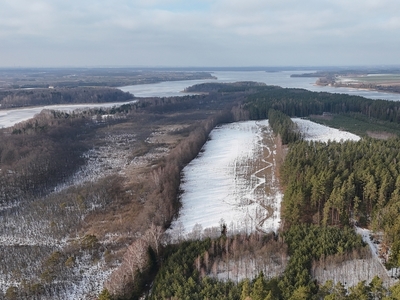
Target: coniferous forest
column 329, row 189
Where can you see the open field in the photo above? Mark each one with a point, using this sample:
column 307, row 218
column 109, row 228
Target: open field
column 233, row 181
column 359, row 125
column 316, row 132
column 375, row 79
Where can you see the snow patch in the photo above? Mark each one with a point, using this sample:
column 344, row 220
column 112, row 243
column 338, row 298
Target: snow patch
column 316, row 132
column 227, row 183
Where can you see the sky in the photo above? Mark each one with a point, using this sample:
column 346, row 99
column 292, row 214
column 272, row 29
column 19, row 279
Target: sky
column 198, row 33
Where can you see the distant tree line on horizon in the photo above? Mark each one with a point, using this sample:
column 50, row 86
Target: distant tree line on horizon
column 303, row 103
column 37, row 97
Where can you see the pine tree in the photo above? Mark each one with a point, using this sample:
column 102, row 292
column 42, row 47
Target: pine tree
column 105, row 295
column 258, row 291
column 245, row 290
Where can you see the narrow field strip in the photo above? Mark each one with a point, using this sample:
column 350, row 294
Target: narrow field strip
column 232, row 181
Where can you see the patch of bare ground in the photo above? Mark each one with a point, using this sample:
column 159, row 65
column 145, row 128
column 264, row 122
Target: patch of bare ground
column 382, row 135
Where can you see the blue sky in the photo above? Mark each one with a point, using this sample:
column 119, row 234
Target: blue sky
column 52, row 33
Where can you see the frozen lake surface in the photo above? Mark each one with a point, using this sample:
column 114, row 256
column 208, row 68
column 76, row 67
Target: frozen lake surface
column 10, row 117
column 282, row 78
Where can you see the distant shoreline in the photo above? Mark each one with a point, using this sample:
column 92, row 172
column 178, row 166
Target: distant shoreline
column 387, row 82
column 361, row 86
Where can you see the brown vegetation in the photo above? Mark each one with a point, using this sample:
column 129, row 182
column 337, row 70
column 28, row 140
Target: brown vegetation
column 243, row 256
column 156, row 138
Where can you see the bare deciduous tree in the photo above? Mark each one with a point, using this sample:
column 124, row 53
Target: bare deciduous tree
column 153, row 236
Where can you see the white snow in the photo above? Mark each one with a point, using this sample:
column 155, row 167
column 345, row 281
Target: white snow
column 110, row 158
column 366, row 236
column 317, row 132
column 10, row 117
column 226, row 182
column 375, row 249
column 350, row 272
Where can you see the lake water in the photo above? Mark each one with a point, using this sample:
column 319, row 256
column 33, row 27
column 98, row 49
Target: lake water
column 9, row 117
column 175, row 88
column 283, row 79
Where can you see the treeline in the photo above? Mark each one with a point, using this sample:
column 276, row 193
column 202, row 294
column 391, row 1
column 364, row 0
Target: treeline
column 213, row 101
column 36, row 97
column 190, row 268
column 187, row 269
column 240, row 86
column 42, row 152
column 344, row 183
column 81, row 77
column 283, row 126
column 308, row 243
column 302, row 103
column 39, row 155
column 162, row 196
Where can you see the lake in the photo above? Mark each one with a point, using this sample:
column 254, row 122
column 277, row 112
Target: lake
column 174, row 88
column 283, row 79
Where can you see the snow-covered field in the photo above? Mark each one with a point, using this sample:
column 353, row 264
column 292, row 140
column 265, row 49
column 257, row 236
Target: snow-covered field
column 228, row 182
column 316, row 132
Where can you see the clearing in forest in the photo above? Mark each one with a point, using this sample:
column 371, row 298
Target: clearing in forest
column 232, row 181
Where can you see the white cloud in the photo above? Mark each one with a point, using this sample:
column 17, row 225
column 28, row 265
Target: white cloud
column 185, row 31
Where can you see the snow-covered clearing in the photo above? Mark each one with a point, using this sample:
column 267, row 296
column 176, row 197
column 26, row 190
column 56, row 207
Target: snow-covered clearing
column 232, row 181
column 317, row 132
